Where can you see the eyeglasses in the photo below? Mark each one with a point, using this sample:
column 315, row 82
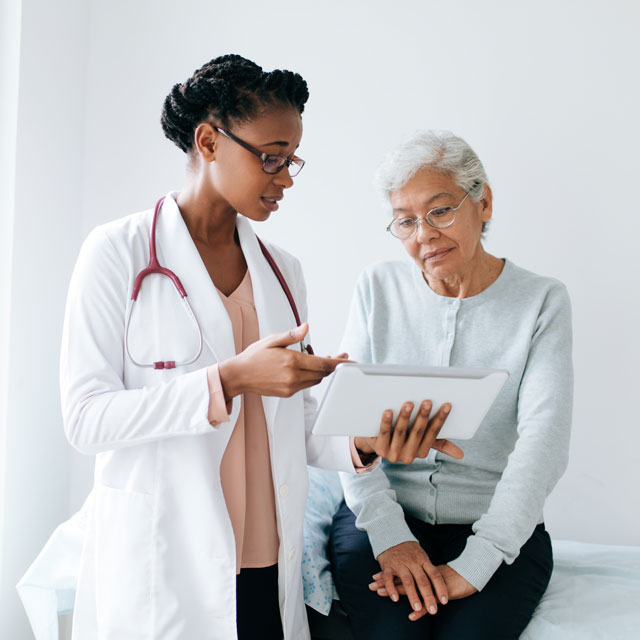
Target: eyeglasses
column 271, row 163
column 440, row 218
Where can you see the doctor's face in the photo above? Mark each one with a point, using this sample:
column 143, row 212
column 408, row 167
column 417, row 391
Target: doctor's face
column 236, row 173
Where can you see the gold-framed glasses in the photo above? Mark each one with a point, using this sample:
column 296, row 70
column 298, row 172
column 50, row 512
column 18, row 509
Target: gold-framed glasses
column 438, row 217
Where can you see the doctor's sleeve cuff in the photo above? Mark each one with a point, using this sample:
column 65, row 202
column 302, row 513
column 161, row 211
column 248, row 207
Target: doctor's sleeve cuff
column 478, row 562
column 358, row 464
column 219, row 409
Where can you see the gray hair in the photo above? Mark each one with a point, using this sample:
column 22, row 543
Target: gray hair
column 439, row 151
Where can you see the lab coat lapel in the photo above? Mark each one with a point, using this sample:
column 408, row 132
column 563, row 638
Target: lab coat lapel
column 272, row 307
column 177, row 251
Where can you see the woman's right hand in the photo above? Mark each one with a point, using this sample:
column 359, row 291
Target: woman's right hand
column 268, row 368
column 409, row 564
column 406, row 441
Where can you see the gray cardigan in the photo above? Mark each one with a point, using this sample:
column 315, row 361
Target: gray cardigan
column 522, row 323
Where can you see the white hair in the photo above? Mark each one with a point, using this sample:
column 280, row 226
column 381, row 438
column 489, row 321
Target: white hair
column 438, row 151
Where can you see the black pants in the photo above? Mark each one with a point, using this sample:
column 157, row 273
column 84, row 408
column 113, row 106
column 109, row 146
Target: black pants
column 501, row 610
column 257, row 607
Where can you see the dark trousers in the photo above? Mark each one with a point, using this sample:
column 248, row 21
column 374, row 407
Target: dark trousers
column 501, row 610
column 257, row 607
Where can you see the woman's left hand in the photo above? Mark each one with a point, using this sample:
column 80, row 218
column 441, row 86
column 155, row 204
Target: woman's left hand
column 457, row 586
column 405, row 442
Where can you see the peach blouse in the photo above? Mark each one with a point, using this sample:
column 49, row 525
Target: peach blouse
column 245, row 470
column 246, row 464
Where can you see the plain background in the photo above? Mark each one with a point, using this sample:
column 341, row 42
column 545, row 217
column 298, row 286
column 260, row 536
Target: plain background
column 546, row 92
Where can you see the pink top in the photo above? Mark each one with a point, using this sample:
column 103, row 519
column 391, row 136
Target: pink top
column 245, row 470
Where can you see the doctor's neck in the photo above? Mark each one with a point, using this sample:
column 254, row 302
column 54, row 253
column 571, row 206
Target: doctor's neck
column 210, row 219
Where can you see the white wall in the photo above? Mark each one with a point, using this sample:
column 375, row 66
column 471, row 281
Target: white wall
column 9, row 74
column 546, row 92
column 48, row 89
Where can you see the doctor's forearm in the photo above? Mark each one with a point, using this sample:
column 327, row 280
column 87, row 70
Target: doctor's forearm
column 96, row 419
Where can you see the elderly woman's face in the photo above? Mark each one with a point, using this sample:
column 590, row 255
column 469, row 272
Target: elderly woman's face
column 441, row 253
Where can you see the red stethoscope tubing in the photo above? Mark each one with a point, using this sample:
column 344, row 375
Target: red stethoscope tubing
column 154, row 266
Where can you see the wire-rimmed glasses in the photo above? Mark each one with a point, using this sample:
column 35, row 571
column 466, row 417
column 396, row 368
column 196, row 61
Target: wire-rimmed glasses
column 271, row 162
column 439, row 218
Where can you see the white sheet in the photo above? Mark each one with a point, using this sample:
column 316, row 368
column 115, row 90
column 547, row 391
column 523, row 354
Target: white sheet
column 594, row 593
column 48, row 588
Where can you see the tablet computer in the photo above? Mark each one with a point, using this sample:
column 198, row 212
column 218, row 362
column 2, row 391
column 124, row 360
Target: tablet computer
column 358, row 394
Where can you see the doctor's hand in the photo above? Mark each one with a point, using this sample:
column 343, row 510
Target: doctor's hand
column 404, row 442
column 268, row 368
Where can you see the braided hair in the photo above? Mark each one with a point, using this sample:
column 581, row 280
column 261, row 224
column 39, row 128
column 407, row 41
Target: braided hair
column 229, row 88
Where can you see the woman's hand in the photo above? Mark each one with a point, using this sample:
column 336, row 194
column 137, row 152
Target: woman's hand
column 456, row 586
column 403, row 444
column 407, row 570
column 268, row 368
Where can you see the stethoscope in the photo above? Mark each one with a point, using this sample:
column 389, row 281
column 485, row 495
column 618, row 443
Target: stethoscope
column 154, row 266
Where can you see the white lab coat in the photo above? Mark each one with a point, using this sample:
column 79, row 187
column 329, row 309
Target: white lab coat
column 159, row 555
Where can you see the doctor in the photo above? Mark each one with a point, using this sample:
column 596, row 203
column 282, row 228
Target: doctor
column 192, row 404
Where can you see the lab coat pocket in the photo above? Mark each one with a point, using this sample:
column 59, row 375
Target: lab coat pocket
column 123, row 563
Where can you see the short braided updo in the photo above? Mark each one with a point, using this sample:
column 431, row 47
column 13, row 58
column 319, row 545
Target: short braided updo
column 229, row 88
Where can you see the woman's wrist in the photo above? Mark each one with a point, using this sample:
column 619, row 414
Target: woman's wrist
column 366, row 453
column 230, row 378
column 362, row 446
column 367, row 458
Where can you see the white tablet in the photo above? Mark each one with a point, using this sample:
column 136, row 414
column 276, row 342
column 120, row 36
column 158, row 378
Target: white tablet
column 358, row 394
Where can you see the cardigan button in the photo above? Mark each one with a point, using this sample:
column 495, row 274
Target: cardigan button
column 284, row 491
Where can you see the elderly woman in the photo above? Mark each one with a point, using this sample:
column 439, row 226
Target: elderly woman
column 455, row 548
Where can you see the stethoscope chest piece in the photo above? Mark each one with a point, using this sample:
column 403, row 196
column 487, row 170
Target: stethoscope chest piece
column 154, row 267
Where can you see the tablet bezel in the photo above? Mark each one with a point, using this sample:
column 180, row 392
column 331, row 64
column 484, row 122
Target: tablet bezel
column 488, row 380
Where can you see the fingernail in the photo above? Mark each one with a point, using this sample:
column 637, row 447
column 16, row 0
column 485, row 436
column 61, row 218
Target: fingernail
column 443, row 600
column 388, row 414
column 394, row 597
column 447, row 409
column 407, row 409
column 417, row 606
column 432, row 609
column 373, row 584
